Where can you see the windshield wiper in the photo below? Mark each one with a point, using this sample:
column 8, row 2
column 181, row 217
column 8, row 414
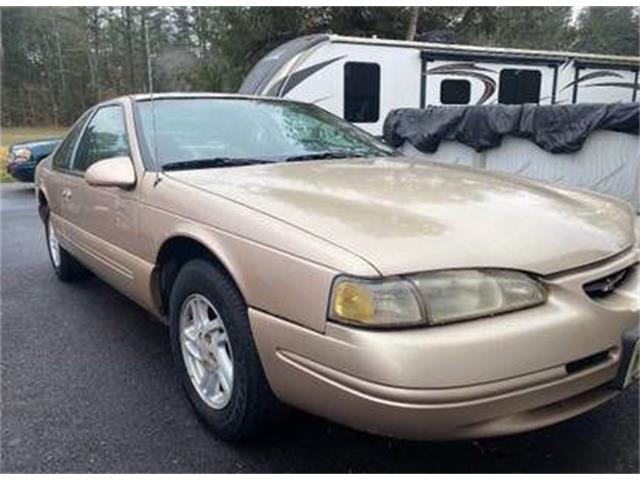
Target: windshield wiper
column 323, row 155
column 212, row 163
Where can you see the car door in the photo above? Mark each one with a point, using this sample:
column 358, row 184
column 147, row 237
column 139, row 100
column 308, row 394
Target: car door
column 103, row 221
column 56, row 180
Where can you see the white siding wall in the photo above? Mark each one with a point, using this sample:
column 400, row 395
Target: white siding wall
column 399, row 79
column 477, row 86
column 590, row 91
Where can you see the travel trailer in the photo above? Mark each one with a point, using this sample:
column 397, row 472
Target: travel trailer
column 362, row 79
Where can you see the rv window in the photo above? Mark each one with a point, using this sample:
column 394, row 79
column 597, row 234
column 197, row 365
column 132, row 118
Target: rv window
column 455, row 92
column 519, row 86
column 361, row 92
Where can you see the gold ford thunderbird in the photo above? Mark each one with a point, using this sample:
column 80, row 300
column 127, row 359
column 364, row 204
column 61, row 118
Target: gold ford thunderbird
column 299, row 261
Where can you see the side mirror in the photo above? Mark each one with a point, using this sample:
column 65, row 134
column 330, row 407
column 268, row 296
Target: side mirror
column 111, row 172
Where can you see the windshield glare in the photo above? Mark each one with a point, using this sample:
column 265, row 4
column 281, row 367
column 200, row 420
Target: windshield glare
column 188, row 130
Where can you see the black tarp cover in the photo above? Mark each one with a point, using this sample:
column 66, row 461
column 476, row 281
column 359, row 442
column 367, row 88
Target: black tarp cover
column 554, row 128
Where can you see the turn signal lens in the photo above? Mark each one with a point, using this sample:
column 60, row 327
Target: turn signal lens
column 353, row 302
column 374, row 303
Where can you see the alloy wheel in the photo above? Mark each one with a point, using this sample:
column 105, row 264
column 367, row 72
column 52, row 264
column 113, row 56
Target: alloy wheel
column 206, row 351
column 54, row 246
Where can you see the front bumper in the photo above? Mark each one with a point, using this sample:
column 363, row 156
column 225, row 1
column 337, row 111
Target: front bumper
column 22, row 171
column 496, row 376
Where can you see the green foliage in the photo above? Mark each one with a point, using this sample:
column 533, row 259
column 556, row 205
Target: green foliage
column 542, row 28
column 56, row 62
column 607, row 29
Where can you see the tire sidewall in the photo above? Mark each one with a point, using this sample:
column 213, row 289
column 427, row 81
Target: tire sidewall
column 57, row 268
column 69, row 269
column 199, row 276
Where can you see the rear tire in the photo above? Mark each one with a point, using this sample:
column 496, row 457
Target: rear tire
column 248, row 406
column 66, row 267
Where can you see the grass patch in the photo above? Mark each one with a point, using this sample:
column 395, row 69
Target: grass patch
column 9, row 136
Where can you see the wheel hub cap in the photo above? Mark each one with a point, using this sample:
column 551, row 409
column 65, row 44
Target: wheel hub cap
column 54, row 247
column 206, row 351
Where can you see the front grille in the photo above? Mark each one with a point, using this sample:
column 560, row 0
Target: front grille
column 606, row 286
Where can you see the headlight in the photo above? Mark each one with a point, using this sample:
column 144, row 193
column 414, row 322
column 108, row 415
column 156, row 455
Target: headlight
column 433, row 298
column 455, row 295
column 21, row 155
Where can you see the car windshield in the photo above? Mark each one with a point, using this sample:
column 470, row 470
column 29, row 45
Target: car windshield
column 208, row 132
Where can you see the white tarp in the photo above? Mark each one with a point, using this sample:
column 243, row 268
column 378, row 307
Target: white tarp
column 608, row 162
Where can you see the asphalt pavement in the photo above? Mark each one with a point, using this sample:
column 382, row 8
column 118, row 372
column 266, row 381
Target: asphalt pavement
column 88, row 385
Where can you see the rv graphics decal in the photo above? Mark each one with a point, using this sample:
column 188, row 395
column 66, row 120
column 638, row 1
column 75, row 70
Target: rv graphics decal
column 591, row 76
column 468, row 69
column 290, row 81
column 615, row 84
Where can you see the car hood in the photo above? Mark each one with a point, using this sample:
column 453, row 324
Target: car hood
column 405, row 215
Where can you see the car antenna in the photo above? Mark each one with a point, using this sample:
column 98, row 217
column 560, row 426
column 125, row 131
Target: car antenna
column 153, row 108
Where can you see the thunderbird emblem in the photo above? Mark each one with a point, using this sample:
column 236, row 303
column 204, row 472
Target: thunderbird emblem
column 611, row 282
column 609, row 285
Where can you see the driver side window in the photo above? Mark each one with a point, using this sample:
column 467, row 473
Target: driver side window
column 104, row 137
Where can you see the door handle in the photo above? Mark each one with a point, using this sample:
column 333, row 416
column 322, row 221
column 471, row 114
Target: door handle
column 66, row 194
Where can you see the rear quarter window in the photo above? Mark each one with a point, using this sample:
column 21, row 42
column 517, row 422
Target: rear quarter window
column 62, row 156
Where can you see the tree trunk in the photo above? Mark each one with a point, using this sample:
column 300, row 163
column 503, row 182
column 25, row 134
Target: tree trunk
column 52, row 99
column 412, row 23
column 95, row 52
column 129, row 39
column 63, row 83
column 143, row 41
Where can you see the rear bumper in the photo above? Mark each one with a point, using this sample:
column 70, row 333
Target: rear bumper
column 490, row 377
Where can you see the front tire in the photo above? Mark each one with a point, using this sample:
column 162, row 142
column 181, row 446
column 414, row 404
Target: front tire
column 215, row 354
column 64, row 265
